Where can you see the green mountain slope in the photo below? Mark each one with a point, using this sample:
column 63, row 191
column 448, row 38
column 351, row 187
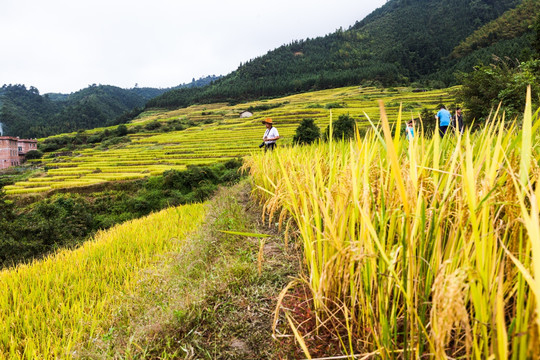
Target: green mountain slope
column 514, row 37
column 26, row 113
column 512, row 24
column 403, row 41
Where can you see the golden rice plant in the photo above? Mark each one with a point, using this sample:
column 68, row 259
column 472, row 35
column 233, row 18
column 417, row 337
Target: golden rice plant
column 422, row 248
column 15, row 190
column 52, row 306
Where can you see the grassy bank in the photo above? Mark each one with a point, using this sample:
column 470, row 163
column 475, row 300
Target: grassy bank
column 213, row 300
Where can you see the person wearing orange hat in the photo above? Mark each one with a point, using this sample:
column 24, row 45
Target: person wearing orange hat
column 270, row 136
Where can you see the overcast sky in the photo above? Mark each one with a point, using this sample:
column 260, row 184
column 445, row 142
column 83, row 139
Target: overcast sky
column 66, row 45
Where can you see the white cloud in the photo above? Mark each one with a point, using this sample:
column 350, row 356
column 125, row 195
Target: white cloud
column 65, row 45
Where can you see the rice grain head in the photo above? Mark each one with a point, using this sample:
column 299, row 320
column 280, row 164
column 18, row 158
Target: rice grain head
column 449, row 312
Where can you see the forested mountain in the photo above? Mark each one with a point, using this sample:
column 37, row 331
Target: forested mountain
column 512, row 24
column 26, row 113
column 402, row 42
column 510, row 37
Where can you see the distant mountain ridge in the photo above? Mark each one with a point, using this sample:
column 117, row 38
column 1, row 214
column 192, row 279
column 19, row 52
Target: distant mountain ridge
column 26, row 113
column 402, row 42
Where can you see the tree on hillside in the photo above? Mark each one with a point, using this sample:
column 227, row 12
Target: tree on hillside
column 428, row 122
column 121, row 130
column 536, row 41
column 33, row 154
column 343, row 128
column 487, row 86
column 307, row 132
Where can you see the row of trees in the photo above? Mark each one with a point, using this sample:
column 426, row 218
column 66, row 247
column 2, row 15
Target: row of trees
column 308, row 132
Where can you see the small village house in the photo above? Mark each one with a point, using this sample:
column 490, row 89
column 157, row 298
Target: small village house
column 13, row 150
column 246, row 114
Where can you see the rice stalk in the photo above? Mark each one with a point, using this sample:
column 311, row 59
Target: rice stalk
column 406, row 244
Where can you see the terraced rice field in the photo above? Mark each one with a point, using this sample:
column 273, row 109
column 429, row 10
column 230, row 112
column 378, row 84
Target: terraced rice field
column 51, row 307
column 227, row 136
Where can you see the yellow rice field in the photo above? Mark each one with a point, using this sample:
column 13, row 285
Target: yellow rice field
column 428, row 248
column 52, row 307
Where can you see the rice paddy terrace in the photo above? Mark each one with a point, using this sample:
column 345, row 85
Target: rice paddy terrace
column 220, row 134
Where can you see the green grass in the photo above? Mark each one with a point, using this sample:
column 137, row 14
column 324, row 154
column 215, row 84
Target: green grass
column 208, row 301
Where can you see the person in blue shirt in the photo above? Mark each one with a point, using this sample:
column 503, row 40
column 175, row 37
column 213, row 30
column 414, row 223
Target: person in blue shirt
column 410, row 130
column 443, row 118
